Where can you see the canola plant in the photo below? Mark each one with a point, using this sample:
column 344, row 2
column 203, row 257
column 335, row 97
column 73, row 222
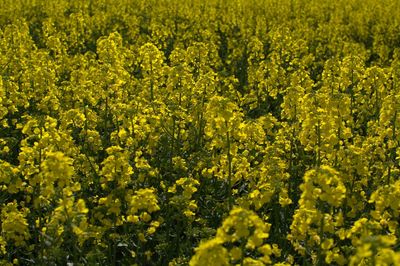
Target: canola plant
column 243, row 132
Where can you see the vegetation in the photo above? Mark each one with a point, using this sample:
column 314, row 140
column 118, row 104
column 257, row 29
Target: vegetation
column 243, row 132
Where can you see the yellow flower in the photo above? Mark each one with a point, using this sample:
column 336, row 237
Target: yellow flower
column 151, row 230
column 133, row 218
column 81, row 206
column 327, row 243
column 142, row 237
column 145, row 217
column 236, row 253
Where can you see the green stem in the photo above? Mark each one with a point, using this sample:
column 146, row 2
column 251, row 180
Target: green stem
column 229, row 190
column 321, row 234
column 172, row 142
column 318, row 143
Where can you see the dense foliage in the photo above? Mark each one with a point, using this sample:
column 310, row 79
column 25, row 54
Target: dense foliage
column 167, row 132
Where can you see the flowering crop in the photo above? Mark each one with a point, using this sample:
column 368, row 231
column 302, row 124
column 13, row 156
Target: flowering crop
column 243, row 132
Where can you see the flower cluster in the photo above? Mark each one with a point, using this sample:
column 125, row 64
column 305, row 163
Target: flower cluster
column 242, row 132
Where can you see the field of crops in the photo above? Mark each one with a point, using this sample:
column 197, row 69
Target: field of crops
column 199, row 132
